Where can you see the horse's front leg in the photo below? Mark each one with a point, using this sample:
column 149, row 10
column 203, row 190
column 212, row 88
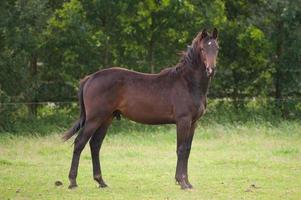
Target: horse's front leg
column 183, row 148
column 188, row 148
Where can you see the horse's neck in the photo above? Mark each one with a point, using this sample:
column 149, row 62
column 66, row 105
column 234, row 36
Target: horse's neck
column 194, row 72
column 198, row 81
column 204, row 82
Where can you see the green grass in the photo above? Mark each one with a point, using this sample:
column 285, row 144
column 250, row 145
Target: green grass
column 238, row 161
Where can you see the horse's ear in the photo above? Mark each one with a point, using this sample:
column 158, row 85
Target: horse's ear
column 215, row 33
column 204, row 33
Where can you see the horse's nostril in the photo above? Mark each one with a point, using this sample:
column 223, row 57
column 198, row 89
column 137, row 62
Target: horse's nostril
column 209, row 70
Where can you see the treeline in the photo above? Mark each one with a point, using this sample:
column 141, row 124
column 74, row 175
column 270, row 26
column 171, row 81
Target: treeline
column 46, row 46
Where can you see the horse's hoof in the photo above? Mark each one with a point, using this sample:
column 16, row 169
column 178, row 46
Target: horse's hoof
column 102, row 185
column 190, row 186
column 72, row 186
column 184, row 185
column 100, row 181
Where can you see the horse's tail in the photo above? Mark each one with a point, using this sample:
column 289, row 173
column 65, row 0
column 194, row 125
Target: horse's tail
column 81, row 121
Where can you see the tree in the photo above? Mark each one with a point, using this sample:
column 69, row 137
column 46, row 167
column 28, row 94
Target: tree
column 281, row 23
column 25, row 21
column 243, row 57
column 71, row 50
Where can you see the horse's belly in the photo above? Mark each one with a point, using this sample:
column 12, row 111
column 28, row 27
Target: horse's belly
column 149, row 119
column 148, row 112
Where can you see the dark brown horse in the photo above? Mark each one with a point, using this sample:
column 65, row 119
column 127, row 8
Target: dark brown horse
column 176, row 95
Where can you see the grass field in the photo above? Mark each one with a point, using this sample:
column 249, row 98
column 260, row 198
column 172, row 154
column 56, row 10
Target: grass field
column 247, row 161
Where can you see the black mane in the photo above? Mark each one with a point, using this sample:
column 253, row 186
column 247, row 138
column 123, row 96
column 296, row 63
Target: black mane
column 189, row 58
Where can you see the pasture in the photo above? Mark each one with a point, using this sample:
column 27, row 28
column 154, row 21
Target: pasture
column 227, row 161
column 247, row 145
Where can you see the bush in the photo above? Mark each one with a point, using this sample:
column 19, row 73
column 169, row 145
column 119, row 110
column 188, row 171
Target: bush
column 59, row 117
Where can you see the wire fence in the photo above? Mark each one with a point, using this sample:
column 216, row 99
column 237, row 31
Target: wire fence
column 227, row 71
column 39, row 103
column 247, row 99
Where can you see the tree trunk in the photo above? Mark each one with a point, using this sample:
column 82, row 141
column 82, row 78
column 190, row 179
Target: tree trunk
column 106, row 50
column 151, row 55
column 33, row 106
column 278, row 73
column 151, row 44
column 235, row 94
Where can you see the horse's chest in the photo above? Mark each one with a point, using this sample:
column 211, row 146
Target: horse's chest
column 201, row 107
column 201, row 110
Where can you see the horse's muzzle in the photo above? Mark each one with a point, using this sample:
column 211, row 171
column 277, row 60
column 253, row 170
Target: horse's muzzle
column 210, row 71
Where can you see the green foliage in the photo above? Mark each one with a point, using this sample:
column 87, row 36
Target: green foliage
column 59, row 117
column 47, row 46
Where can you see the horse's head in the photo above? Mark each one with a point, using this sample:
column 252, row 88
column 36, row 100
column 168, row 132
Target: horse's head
column 206, row 46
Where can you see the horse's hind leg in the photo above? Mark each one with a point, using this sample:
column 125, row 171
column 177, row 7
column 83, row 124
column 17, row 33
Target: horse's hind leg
column 79, row 144
column 95, row 145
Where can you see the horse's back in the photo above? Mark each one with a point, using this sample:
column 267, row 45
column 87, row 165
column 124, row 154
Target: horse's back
column 139, row 96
